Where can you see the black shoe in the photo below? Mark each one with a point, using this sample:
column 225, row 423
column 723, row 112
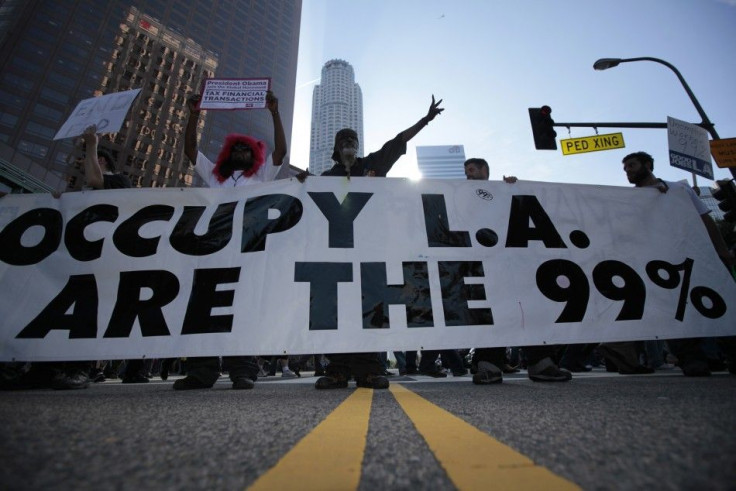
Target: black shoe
column 190, row 383
column 636, row 370
column 546, row 371
column 97, row 376
column 71, row 381
column 165, row 365
column 459, row 372
column 135, row 379
column 487, row 374
column 243, row 383
column 437, row 373
column 696, row 368
column 616, row 361
column 402, row 371
column 331, row 382
column 412, row 371
column 372, row 382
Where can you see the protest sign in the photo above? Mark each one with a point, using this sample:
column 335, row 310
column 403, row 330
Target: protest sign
column 107, row 112
column 689, row 147
column 338, row 265
column 234, row 93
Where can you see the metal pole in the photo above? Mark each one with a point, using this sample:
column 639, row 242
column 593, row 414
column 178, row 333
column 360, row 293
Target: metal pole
column 707, row 124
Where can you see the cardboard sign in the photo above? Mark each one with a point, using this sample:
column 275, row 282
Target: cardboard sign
column 234, row 93
column 107, row 112
column 689, row 148
column 724, row 152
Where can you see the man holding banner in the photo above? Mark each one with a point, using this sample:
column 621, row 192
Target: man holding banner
column 366, row 367
column 541, row 367
column 241, row 162
column 639, row 169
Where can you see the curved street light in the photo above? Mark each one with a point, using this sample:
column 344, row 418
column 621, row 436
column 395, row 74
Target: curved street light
column 606, row 63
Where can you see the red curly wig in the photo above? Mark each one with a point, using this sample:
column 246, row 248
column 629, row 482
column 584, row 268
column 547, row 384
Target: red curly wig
column 257, row 148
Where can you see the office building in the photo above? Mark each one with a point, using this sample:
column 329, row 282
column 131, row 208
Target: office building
column 55, row 54
column 337, row 103
column 441, row 161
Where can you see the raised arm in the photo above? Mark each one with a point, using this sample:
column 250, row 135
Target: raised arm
column 279, row 138
column 434, row 110
column 92, row 170
column 190, row 133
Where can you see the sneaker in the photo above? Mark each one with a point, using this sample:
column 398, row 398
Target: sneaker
column 135, row 379
column 97, row 376
column 436, row 373
column 70, row 381
column 487, row 374
column 190, row 383
column 331, row 382
column 286, row 373
column 696, row 368
column 546, row 371
column 243, row 384
column 372, row 382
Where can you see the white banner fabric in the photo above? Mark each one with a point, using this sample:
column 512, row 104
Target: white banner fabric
column 337, row 265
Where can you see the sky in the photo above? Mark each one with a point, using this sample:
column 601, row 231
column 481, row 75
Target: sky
column 490, row 60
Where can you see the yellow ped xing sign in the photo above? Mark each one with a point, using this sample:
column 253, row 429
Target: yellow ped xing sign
column 592, row 143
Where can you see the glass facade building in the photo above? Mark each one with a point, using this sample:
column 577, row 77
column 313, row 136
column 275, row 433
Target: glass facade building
column 55, row 54
column 337, row 103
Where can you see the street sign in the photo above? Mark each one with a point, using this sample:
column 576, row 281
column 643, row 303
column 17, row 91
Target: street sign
column 724, row 152
column 595, row 143
column 689, row 147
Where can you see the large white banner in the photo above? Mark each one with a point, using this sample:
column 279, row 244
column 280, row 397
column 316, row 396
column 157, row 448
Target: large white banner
column 338, row 265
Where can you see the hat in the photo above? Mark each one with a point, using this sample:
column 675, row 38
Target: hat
column 340, row 134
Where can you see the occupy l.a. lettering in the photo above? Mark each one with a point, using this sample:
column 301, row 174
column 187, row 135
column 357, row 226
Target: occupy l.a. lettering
column 80, row 294
column 414, row 293
column 127, row 238
column 257, row 225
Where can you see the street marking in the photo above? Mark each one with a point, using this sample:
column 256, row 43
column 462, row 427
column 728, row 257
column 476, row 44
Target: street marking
column 344, row 432
column 471, row 458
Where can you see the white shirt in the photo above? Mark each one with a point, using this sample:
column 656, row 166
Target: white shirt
column 266, row 173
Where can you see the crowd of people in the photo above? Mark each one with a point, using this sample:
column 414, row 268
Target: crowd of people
column 244, row 161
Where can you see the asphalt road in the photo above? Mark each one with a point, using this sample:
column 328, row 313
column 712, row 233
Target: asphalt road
column 598, row 432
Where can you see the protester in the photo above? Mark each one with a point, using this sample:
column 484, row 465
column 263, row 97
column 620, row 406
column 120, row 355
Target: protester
column 541, row 365
column 242, row 162
column 639, row 169
column 365, row 367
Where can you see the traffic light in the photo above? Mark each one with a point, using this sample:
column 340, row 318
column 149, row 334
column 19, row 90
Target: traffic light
column 726, row 195
column 544, row 133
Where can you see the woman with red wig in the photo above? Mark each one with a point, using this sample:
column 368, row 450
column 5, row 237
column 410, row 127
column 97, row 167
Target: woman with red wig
column 241, row 162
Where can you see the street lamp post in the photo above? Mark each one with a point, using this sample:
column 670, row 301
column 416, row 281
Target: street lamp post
column 606, row 63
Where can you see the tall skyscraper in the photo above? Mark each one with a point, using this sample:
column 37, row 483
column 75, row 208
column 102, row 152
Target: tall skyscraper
column 337, row 103
column 55, row 54
column 441, row 161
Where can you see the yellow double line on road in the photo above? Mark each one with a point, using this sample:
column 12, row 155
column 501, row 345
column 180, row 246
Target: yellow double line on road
column 471, row 458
